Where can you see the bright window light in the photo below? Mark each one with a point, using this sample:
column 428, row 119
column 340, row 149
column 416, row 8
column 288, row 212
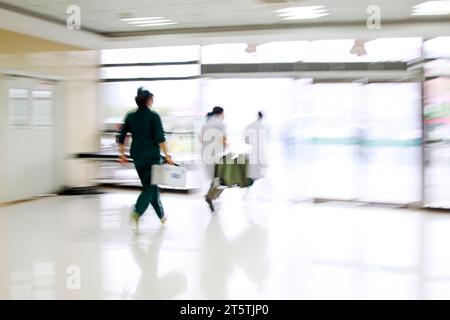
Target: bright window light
column 437, row 47
column 151, row 55
column 337, row 50
column 174, row 71
column 302, row 13
column 431, row 8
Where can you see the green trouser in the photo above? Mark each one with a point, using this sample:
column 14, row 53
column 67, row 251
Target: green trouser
column 150, row 193
column 229, row 173
column 233, row 172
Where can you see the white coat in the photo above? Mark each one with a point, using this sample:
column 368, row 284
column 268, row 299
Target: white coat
column 256, row 135
column 211, row 137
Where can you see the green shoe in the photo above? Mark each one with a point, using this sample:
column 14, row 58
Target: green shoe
column 135, row 220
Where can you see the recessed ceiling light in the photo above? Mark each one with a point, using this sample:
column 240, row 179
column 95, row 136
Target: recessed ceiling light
column 305, row 16
column 149, row 21
column 302, row 13
column 155, row 24
column 142, row 18
column 431, row 8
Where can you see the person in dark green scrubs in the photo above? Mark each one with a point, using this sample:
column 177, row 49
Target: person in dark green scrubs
column 148, row 140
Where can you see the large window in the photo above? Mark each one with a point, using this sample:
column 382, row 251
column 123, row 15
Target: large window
column 150, row 55
column 383, row 49
column 170, row 73
column 171, row 98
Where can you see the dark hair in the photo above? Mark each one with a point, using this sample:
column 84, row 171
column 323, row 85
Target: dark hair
column 260, row 115
column 142, row 97
column 216, row 110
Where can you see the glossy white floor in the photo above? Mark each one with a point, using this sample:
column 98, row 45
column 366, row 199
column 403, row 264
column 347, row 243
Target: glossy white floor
column 253, row 249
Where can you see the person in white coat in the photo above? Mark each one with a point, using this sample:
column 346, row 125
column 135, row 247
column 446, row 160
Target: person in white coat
column 213, row 137
column 256, row 135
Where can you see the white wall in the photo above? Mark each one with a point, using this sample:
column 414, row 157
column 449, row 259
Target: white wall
column 3, row 126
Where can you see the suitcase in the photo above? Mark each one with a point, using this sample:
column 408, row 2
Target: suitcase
column 169, row 176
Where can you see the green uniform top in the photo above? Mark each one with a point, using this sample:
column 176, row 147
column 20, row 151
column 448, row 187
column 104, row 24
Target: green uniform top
column 147, row 133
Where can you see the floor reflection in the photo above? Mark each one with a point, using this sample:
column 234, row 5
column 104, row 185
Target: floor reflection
column 220, row 256
column 252, row 248
column 151, row 284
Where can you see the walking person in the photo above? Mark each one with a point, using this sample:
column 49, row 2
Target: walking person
column 148, row 140
column 255, row 135
column 214, row 142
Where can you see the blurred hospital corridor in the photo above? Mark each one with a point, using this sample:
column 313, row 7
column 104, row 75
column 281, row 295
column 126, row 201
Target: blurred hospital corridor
column 239, row 150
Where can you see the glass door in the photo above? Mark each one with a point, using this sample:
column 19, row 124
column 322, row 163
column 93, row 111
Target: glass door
column 366, row 142
column 437, row 147
column 391, row 143
column 335, row 108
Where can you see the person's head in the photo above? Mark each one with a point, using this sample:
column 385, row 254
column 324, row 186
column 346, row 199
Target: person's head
column 260, row 115
column 217, row 112
column 144, row 98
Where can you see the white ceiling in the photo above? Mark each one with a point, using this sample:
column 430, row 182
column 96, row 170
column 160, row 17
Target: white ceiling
column 103, row 15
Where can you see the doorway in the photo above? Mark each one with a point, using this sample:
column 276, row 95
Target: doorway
column 32, row 149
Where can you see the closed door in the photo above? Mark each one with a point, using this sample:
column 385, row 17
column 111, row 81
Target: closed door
column 30, row 138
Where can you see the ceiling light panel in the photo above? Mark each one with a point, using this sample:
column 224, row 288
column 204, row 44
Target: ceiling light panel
column 431, row 8
column 156, row 24
column 302, row 13
column 148, row 21
column 141, row 19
